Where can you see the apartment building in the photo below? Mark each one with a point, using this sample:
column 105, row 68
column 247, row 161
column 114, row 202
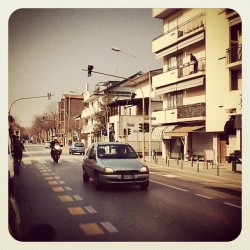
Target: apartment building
column 70, row 106
column 200, row 85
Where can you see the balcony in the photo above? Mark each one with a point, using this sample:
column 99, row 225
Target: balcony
column 234, row 57
column 185, row 113
column 164, row 116
column 179, row 77
column 196, row 111
column 172, row 40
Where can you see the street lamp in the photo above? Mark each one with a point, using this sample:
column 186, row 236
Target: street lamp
column 149, row 105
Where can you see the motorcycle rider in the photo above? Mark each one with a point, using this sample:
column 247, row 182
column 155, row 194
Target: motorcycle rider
column 52, row 145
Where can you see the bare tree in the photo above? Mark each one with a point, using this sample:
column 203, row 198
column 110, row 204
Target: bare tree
column 101, row 117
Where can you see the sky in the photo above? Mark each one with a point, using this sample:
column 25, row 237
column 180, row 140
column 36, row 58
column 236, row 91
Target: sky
column 48, row 48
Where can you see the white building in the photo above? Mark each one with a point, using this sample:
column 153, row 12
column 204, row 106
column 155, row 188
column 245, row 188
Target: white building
column 198, row 100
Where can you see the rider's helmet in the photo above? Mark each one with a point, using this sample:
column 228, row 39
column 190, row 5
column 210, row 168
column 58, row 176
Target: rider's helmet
column 55, row 139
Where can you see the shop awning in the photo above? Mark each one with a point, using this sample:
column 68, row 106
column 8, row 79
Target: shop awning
column 183, row 131
column 158, row 131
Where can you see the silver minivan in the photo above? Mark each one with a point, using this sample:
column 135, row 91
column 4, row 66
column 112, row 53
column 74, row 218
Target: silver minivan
column 114, row 163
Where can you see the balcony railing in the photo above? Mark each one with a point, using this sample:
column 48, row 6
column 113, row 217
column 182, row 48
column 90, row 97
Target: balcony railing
column 188, row 68
column 183, row 30
column 175, row 74
column 192, row 110
column 234, row 54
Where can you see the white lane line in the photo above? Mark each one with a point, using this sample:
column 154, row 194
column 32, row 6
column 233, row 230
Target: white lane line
column 90, row 209
column 77, row 197
column 109, row 227
column 232, row 205
column 204, row 196
column 181, row 189
column 68, row 188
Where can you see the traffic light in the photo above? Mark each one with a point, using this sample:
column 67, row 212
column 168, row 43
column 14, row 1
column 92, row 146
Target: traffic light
column 146, row 127
column 129, row 131
column 124, row 131
column 90, row 68
column 141, row 127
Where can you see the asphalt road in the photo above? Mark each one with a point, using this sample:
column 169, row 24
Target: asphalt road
column 172, row 209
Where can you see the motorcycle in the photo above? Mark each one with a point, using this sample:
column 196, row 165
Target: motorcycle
column 56, row 152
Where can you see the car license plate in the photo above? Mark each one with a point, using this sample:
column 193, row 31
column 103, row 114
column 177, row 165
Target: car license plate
column 127, row 176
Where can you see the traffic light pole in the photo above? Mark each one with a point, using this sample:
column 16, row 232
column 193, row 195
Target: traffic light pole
column 32, row 97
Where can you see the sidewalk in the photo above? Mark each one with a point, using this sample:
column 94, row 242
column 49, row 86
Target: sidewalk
column 223, row 174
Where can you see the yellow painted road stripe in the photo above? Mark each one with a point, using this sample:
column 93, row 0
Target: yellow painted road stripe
column 76, row 210
column 58, row 189
column 91, row 229
column 65, row 198
column 52, row 183
column 49, row 178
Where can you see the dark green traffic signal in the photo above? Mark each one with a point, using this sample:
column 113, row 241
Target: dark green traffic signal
column 90, row 68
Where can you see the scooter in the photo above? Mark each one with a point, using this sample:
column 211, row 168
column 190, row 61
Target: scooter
column 56, row 152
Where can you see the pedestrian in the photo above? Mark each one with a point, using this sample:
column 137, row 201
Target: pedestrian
column 195, row 62
column 17, row 153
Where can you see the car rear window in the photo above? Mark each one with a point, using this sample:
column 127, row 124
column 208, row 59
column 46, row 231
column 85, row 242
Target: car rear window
column 116, row 151
column 79, row 144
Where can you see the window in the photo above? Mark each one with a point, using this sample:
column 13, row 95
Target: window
column 175, row 99
column 234, row 80
column 175, row 61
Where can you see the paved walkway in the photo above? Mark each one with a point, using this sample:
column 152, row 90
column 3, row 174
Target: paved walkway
column 223, row 174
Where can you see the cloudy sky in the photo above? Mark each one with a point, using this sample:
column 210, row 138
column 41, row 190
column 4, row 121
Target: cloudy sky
column 48, row 48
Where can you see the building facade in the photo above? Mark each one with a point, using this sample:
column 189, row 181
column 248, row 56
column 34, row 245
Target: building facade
column 201, row 82
column 69, row 108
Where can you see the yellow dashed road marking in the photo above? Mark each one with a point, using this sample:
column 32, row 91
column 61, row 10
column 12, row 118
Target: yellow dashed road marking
column 49, row 178
column 65, row 198
column 45, row 174
column 43, row 170
column 52, row 182
column 76, row 210
column 91, row 229
column 58, row 189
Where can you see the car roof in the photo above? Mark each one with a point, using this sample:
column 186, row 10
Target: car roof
column 111, row 143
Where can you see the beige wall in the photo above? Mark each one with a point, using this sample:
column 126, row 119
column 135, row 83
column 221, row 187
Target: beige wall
column 217, row 75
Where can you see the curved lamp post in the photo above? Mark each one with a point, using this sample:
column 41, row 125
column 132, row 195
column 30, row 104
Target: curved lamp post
column 149, row 106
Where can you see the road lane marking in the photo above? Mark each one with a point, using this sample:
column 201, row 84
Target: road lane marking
column 166, row 185
column 52, row 183
column 172, row 176
column 45, row 174
column 76, row 211
column 58, row 189
column 109, row 227
column 49, row 178
column 231, row 204
column 77, row 197
column 90, row 209
column 65, row 198
column 91, row 229
column 68, row 188
column 204, row 196
column 61, row 182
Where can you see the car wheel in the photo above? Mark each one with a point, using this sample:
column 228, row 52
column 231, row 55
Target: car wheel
column 85, row 177
column 98, row 185
column 144, row 186
column 69, row 152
